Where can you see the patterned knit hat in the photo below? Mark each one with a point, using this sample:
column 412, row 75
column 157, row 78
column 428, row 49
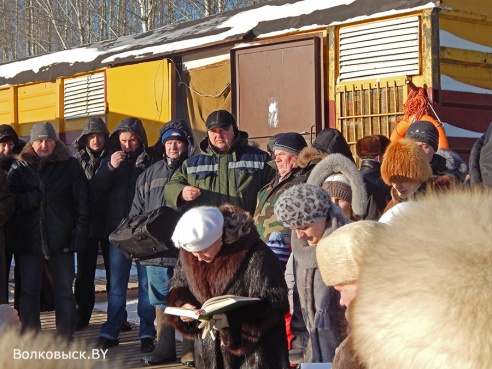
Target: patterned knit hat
column 341, row 254
column 337, row 185
column 404, row 159
column 424, row 131
column 290, row 142
column 302, row 205
column 279, row 246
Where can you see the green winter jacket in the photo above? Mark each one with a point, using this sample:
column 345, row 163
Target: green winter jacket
column 235, row 176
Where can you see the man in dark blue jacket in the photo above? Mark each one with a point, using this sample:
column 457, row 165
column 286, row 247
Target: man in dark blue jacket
column 175, row 140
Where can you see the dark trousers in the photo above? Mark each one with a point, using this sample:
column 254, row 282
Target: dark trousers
column 84, row 289
column 62, row 267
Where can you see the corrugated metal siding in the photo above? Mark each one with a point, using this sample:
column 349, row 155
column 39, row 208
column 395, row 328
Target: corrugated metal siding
column 380, row 49
column 84, row 96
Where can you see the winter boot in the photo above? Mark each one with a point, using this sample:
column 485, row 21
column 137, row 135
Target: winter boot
column 165, row 351
column 188, row 357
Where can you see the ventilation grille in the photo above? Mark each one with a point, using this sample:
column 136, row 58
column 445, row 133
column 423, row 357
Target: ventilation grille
column 84, row 96
column 380, row 49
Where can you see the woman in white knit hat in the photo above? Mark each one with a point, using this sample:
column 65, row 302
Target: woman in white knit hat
column 221, row 253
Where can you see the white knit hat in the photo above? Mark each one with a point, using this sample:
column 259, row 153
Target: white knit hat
column 198, row 228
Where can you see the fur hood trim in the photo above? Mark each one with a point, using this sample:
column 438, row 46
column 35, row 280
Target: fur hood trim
column 424, row 293
column 337, row 163
column 309, row 154
column 454, row 162
column 29, row 156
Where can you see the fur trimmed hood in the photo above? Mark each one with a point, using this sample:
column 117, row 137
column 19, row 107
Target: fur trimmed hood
column 424, row 293
column 308, row 155
column 454, row 163
column 337, row 163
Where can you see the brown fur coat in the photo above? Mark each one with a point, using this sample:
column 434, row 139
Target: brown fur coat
column 256, row 336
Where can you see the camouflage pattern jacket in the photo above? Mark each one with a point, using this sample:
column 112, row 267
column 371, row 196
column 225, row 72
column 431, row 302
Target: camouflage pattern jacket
column 265, row 220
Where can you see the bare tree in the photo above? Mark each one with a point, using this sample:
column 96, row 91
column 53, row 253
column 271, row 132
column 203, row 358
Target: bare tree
column 32, row 27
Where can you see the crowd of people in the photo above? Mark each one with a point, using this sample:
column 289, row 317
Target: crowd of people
column 324, row 240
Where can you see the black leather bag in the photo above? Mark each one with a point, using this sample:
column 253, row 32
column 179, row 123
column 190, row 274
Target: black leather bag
column 148, row 235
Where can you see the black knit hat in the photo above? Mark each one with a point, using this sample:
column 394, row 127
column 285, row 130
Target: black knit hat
column 424, row 131
column 290, row 142
column 8, row 133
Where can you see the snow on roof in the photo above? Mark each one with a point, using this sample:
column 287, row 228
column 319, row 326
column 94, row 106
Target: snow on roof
column 238, row 25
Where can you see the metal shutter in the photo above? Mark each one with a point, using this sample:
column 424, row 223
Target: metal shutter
column 380, row 49
column 84, row 96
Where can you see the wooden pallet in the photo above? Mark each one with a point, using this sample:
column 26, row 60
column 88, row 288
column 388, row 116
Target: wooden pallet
column 126, row 355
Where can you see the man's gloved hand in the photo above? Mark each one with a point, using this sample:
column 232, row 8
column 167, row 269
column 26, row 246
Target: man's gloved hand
column 216, row 323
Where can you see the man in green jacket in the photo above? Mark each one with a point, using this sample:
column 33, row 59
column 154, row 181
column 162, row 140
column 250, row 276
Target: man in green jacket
column 226, row 170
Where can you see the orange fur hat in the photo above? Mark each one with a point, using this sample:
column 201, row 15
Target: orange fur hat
column 403, row 158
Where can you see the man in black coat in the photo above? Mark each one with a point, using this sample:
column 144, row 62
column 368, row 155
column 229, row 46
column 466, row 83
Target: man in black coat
column 52, row 217
column 115, row 182
column 10, row 147
column 174, row 139
column 91, row 148
column 370, row 150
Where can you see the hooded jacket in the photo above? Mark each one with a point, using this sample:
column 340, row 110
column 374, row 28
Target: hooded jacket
column 481, row 160
column 449, row 163
column 6, row 130
column 52, row 202
column 116, row 186
column 337, row 163
column 84, row 155
column 256, row 336
column 331, row 141
column 233, row 177
column 149, row 190
column 157, row 150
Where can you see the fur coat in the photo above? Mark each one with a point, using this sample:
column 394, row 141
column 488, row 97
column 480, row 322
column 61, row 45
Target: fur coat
column 52, row 202
column 424, row 298
column 256, row 336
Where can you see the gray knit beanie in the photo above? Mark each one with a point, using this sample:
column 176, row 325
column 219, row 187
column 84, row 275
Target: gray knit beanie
column 302, row 205
column 43, row 131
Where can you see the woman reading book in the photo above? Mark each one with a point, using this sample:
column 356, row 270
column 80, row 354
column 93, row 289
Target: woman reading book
column 221, row 254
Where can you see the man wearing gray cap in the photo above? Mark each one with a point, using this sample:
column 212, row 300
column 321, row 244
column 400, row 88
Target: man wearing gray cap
column 52, row 217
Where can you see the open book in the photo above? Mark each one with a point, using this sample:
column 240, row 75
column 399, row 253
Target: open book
column 215, row 305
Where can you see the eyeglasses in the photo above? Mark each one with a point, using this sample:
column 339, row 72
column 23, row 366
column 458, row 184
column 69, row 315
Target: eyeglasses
column 4, row 145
